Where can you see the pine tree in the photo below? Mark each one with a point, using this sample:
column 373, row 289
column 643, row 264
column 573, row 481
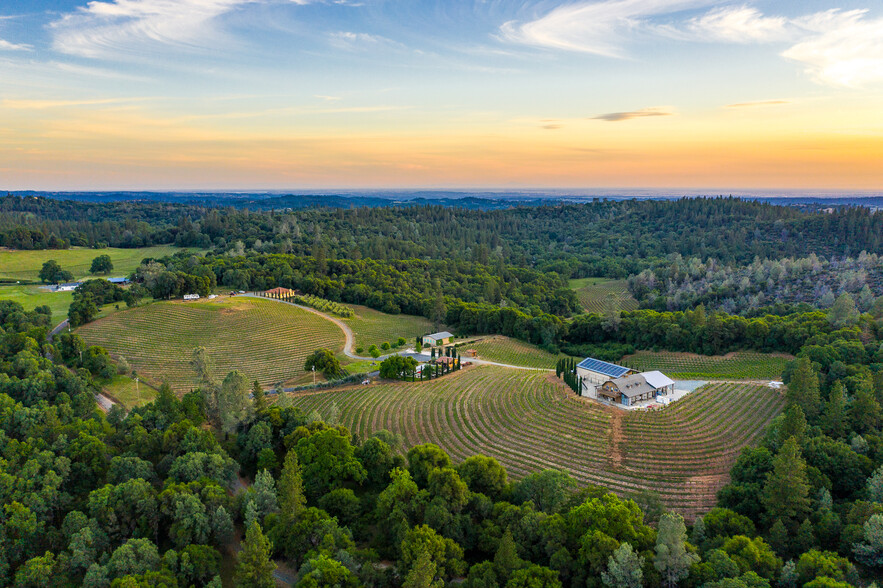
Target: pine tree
column 506, row 559
column 844, row 312
column 291, row 488
column 255, row 568
column 803, row 389
column 779, row 539
column 624, row 568
column 834, row 420
column 793, row 424
column 865, row 410
column 422, row 573
column 786, row 492
column 672, row 558
column 806, row 538
column 260, row 400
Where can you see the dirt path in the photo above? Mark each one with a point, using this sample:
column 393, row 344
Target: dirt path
column 616, row 438
column 350, row 339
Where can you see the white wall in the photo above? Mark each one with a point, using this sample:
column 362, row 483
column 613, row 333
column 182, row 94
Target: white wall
column 590, row 380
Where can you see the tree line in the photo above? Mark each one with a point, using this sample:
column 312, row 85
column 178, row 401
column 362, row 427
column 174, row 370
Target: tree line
column 601, row 238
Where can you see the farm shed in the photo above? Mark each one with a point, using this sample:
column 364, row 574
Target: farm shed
column 437, row 339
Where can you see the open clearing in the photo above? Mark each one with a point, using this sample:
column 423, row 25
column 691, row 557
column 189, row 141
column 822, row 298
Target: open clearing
column 30, row 297
column 530, row 421
column 265, row 340
column 502, row 349
column 124, row 390
column 739, row 365
column 592, row 293
column 372, row 327
column 25, row 265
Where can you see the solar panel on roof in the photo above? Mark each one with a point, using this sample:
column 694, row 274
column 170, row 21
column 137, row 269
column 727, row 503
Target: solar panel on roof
column 602, row 367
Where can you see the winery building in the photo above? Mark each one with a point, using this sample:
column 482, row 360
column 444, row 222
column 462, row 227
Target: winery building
column 620, row 385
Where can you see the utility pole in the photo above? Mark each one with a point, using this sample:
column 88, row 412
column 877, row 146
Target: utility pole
column 314, row 375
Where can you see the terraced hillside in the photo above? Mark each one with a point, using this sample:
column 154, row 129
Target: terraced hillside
column 530, row 421
column 265, row 340
column 511, row 351
column 592, row 293
column 739, row 365
column 372, row 327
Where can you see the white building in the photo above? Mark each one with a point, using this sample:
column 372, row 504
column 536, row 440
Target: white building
column 437, row 339
column 191, row 296
column 68, row 287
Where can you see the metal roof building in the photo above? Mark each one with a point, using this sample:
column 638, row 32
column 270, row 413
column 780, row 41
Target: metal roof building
column 602, row 367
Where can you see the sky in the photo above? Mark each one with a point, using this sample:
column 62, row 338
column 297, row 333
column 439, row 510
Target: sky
column 497, row 94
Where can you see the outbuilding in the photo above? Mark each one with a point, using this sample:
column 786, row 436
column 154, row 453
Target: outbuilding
column 437, row 339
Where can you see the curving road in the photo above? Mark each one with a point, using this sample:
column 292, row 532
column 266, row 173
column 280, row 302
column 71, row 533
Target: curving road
column 350, row 341
column 103, row 401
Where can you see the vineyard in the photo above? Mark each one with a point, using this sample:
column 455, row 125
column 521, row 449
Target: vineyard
column 740, row 365
column 530, row 421
column 265, row 340
column 510, row 351
column 372, row 327
column 592, row 293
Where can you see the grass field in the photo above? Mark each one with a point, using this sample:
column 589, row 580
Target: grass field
column 530, row 421
column 510, row 351
column 30, row 297
column 124, row 390
column 265, row 340
column 740, row 365
column 25, row 265
column 592, row 293
column 372, row 327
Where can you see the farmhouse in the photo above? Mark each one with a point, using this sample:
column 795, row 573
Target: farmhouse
column 437, row 339
column 618, row 384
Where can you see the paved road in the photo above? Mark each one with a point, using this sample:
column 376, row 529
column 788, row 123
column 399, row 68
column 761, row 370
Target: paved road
column 103, row 401
column 350, row 341
column 61, row 326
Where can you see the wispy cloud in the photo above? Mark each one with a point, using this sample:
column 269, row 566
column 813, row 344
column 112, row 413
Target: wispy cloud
column 842, row 48
column 7, row 46
column 644, row 112
column 758, row 103
column 120, row 28
column 601, row 28
column 360, row 41
column 741, row 24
